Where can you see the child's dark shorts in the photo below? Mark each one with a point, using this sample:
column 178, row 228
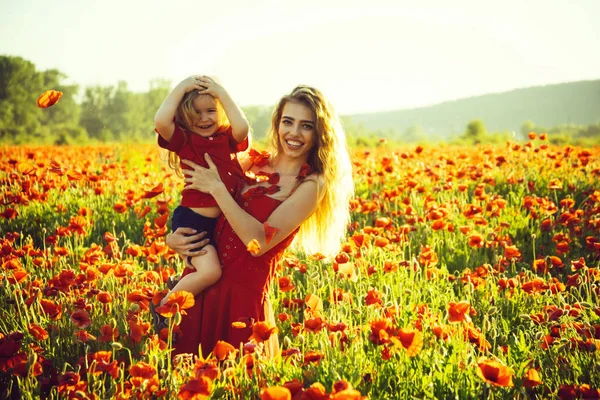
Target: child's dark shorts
column 185, row 217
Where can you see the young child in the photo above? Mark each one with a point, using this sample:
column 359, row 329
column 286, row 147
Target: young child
column 200, row 117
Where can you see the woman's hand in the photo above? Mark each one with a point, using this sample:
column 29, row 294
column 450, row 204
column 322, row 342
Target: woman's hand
column 182, row 241
column 206, row 180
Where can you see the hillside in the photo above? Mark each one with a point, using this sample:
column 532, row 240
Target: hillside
column 548, row 106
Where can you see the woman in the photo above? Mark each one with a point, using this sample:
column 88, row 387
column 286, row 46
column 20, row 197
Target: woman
column 302, row 193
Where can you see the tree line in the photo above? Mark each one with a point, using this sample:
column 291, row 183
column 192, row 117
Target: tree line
column 115, row 113
column 101, row 114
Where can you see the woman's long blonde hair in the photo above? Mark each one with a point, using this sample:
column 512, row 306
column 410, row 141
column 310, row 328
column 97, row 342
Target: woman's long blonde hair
column 324, row 231
column 184, row 117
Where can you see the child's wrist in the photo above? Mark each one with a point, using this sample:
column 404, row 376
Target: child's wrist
column 220, row 92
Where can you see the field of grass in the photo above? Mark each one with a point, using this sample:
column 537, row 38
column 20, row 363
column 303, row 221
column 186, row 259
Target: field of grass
column 468, row 272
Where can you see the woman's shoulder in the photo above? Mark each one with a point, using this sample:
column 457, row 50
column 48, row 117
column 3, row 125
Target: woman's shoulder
column 317, row 178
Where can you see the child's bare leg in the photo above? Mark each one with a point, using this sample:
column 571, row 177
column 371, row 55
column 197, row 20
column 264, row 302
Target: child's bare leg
column 208, row 272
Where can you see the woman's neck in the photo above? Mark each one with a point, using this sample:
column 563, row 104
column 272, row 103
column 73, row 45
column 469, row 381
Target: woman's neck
column 287, row 166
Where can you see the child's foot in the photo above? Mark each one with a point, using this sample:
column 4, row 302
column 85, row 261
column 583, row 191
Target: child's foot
column 158, row 320
column 172, row 281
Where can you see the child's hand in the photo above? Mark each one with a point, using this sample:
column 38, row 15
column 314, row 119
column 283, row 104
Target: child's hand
column 211, row 86
column 193, row 83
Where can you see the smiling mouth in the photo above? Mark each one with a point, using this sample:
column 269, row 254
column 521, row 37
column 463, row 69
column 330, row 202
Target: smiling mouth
column 294, row 144
column 204, row 126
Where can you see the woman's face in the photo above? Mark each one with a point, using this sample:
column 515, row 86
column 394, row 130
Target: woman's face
column 297, row 130
column 207, row 115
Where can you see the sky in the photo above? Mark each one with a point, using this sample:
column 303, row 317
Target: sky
column 365, row 56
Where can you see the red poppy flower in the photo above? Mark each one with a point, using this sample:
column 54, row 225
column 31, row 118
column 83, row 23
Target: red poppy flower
column 50, row 308
column 285, row 284
column 262, row 331
column 17, row 276
column 84, row 336
column 275, row 393
column 178, row 301
column 578, row 264
column 305, row 170
column 142, row 213
column 476, row 240
column 161, row 220
column 108, row 333
column 49, row 98
column 381, row 328
column 381, row 242
column 260, row 159
column 457, row 312
column 138, row 330
column 313, row 304
column 104, row 297
column 313, row 357
column 411, row 339
column 155, row 191
column 223, row 350
column 142, row 370
column 68, row 381
column 253, row 247
column 511, row 252
column 37, row 332
column 373, row 297
column 207, row 368
column 196, row 389
column 313, row 325
column 531, row 378
column 540, row 266
column 342, row 258
column 359, row 239
column 270, row 232
column 493, row 372
column 534, row 286
column 120, row 208
column 383, row 222
column 77, row 224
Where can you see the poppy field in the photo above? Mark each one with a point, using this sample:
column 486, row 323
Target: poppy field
column 467, row 273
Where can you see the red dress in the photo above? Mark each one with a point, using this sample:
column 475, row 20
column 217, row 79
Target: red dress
column 240, row 292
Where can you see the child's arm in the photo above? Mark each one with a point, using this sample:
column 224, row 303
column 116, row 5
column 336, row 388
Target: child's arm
column 235, row 115
column 163, row 120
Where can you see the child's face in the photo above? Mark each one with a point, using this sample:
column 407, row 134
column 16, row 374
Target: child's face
column 207, row 115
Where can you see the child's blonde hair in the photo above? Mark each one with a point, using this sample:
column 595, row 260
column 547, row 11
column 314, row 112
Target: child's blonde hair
column 325, row 229
column 184, row 117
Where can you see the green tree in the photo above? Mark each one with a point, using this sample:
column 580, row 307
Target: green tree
column 475, row 132
column 95, row 102
column 528, row 126
column 414, row 134
column 21, row 121
column 115, row 113
column 259, row 118
column 20, row 85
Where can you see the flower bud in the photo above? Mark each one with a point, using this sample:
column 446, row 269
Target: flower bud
column 116, row 346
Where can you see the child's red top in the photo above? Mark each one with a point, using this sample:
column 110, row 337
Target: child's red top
column 221, row 147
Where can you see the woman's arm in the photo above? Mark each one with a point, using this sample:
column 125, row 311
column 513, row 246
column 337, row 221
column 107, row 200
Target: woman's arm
column 285, row 219
column 235, row 115
column 163, row 120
